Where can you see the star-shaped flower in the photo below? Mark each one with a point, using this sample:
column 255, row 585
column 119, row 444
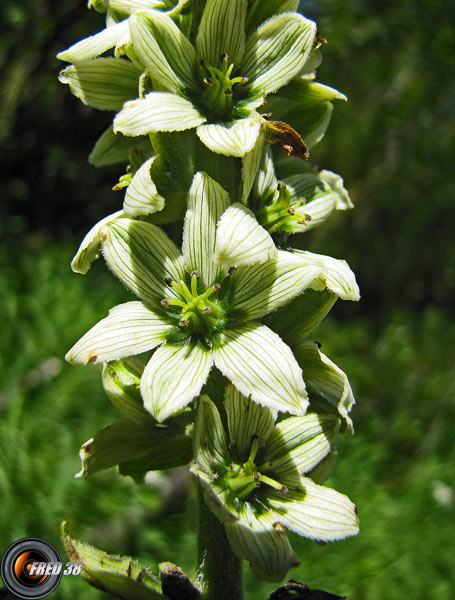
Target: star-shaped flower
column 260, row 483
column 202, row 306
column 214, row 86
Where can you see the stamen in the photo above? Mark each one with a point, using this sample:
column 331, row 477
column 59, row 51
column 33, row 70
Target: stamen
column 207, row 310
column 202, row 62
column 208, row 80
column 194, row 277
column 291, row 211
column 272, row 483
column 216, row 287
column 169, row 281
column 165, row 303
column 254, row 449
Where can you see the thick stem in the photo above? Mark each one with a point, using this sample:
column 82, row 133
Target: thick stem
column 219, row 570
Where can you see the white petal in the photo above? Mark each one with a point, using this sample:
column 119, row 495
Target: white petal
column 141, row 196
column 298, row 444
column 142, row 256
column 336, row 275
column 173, row 377
column 245, row 419
column 336, row 183
column 240, row 240
column 103, row 83
column 210, row 445
column 157, row 111
column 258, row 537
column 277, row 51
column 260, row 364
column 169, row 57
column 266, row 183
column 260, row 289
column 316, row 512
column 90, row 248
column 130, row 6
column 261, row 10
column 129, row 329
column 222, row 31
column 325, row 381
column 95, row 45
column 217, row 498
column 232, row 139
column 250, row 166
column 207, row 201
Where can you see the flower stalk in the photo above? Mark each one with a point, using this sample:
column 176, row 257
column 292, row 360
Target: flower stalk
column 215, row 112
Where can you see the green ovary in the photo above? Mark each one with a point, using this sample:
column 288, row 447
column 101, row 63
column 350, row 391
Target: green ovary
column 243, row 479
column 197, row 312
column 218, row 93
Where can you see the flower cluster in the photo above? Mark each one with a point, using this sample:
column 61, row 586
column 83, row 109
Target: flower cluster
column 212, row 364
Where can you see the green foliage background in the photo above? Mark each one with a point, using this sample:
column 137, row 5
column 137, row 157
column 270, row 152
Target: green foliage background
column 392, row 142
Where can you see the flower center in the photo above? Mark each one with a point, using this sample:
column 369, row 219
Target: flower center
column 245, row 478
column 218, row 93
column 197, row 312
column 282, row 215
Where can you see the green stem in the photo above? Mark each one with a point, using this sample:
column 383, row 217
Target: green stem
column 219, row 570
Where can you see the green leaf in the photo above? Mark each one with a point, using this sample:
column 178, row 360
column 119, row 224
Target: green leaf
column 245, row 419
column 231, row 139
column 97, row 44
column 121, row 381
column 169, row 57
column 136, row 447
column 256, row 290
column 90, row 247
column 141, row 196
column 316, row 512
column 142, row 256
column 298, row 444
column 173, row 377
column 103, row 83
column 277, row 52
column 112, row 148
column 240, row 240
column 157, row 111
column 261, row 10
column 260, row 364
column 130, row 329
column 258, row 538
column 120, row 577
column 222, row 31
column 326, row 382
column 207, row 201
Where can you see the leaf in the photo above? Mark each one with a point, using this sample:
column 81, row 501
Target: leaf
column 120, row 577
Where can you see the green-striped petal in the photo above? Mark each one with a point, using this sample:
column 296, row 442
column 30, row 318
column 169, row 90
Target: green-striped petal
column 142, row 256
column 316, row 512
column 231, row 139
column 266, row 184
column 222, row 31
column 207, row 201
column 128, row 7
column 336, row 275
column 262, row 366
column 325, row 381
column 173, row 377
column 245, row 419
column 129, row 329
column 217, row 498
column 90, row 248
column 97, row 44
column 157, row 111
column 112, row 148
column 141, row 196
column 121, row 381
column 258, row 537
column 277, row 51
column 260, row 289
column 250, row 166
column 103, row 83
column 298, row 444
column 336, row 183
column 167, row 54
column 261, row 10
column 240, row 240
column 210, row 445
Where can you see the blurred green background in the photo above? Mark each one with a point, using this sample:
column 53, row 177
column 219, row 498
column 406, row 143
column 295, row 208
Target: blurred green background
column 393, row 144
